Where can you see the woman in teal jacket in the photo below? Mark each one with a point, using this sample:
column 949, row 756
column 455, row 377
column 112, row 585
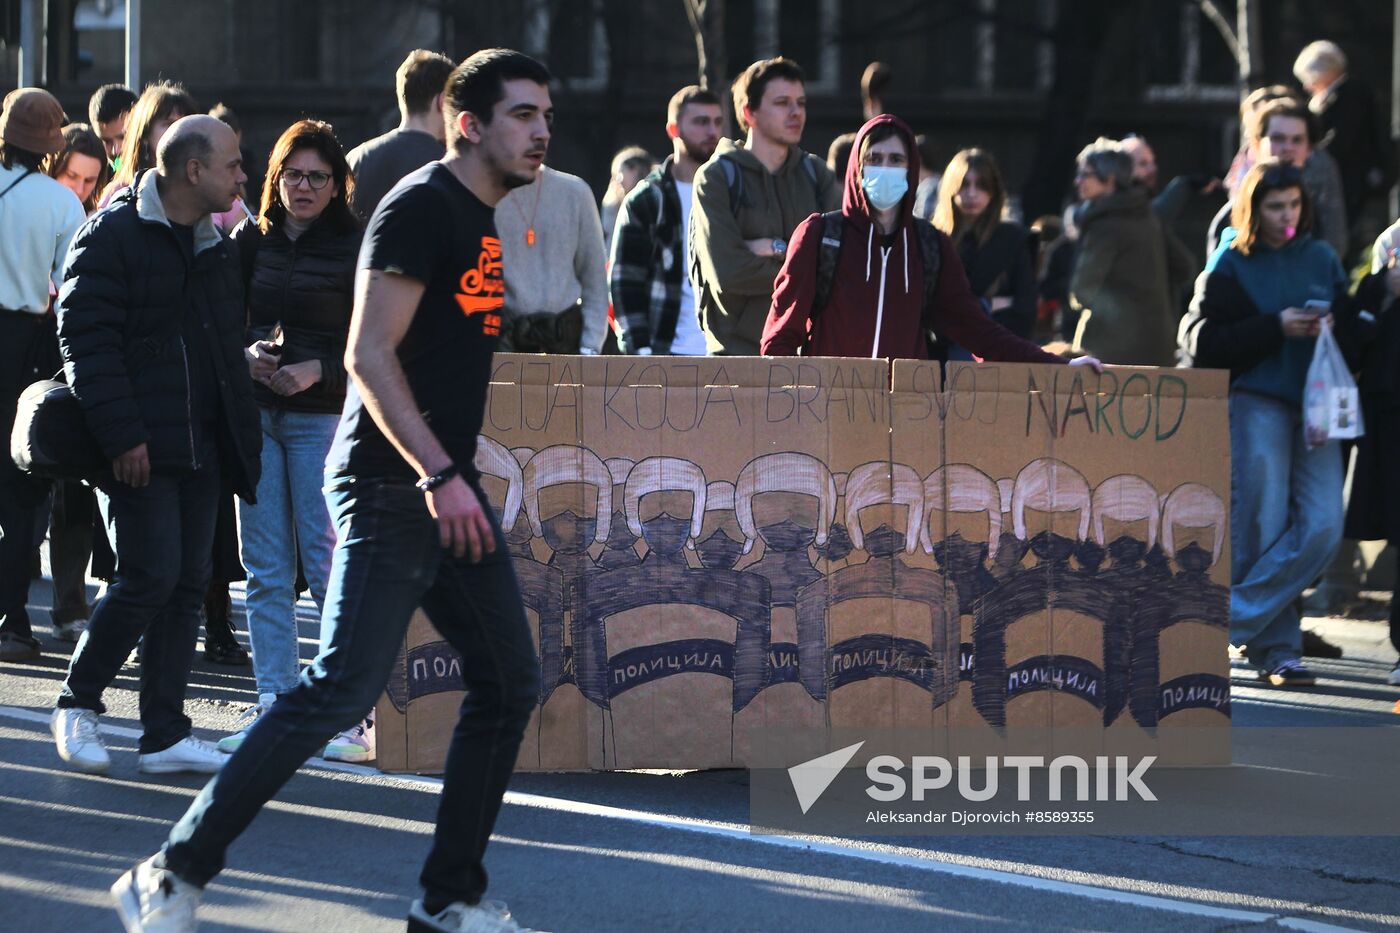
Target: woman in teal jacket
column 1264, row 298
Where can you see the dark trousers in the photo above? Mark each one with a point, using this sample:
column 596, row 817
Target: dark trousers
column 70, row 547
column 387, row 562
column 27, row 347
column 163, row 535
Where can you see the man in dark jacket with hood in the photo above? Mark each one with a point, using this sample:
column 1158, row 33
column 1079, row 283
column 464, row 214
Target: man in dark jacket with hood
column 748, row 200
column 876, row 306
column 150, row 323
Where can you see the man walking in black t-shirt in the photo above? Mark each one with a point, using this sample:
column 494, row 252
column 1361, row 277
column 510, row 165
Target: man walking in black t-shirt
column 410, row 518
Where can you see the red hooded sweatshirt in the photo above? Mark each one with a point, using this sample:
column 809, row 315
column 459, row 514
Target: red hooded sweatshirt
column 876, row 304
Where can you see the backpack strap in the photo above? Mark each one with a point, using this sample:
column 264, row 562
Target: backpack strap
column 833, row 226
column 27, row 173
column 930, row 250
column 734, row 181
column 809, row 166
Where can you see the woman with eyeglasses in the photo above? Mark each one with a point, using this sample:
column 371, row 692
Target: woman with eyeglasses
column 1122, row 272
column 299, row 265
column 1266, row 293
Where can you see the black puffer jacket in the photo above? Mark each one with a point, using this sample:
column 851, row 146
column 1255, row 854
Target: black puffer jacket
column 127, row 287
column 308, row 286
column 1002, row 268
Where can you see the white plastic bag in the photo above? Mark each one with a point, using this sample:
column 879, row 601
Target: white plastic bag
column 1331, row 402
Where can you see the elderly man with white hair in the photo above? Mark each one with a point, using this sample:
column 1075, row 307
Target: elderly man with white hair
column 1346, row 111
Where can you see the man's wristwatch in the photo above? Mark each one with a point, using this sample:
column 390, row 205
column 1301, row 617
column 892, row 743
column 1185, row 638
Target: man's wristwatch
column 779, row 247
column 429, row 483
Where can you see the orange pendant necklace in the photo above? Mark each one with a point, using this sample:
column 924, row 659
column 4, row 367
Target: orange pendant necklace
column 530, row 221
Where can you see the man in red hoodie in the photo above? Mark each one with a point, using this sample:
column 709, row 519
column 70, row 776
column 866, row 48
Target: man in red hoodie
column 875, row 306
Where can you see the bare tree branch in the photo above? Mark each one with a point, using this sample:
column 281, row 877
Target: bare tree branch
column 1212, row 12
column 695, row 12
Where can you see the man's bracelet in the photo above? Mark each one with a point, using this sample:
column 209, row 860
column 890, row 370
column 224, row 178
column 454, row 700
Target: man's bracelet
column 429, row 483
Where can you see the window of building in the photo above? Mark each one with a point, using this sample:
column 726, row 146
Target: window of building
column 1186, row 58
column 789, row 28
column 989, row 47
column 572, row 39
column 99, row 40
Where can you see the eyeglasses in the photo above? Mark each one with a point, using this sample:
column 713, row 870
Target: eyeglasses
column 293, row 178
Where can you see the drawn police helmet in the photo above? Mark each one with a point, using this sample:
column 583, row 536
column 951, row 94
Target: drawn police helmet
column 1050, row 485
column 719, row 496
column 665, row 474
column 492, row 459
column 1126, row 498
column 618, row 468
column 565, row 463
column 784, row 472
column 1192, row 505
column 961, row 487
column 882, row 483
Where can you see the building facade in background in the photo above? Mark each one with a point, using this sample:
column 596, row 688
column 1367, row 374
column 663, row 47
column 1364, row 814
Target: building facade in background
column 966, row 72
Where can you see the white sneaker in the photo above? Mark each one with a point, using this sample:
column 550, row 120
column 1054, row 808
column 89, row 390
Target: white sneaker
column 188, row 754
column 231, row 743
column 70, row 631
column 486, row 917
column 355, row 744
column 1394, row 677
column 75, row 735
column 154, row 900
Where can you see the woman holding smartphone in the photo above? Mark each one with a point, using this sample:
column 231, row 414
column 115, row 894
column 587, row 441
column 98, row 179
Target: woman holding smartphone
column 1257, row 312
column 299, row 263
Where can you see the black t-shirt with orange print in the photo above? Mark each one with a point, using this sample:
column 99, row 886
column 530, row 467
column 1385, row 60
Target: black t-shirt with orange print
column 429, row 227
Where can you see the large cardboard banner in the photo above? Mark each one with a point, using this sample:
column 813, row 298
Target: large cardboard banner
column 713, row 547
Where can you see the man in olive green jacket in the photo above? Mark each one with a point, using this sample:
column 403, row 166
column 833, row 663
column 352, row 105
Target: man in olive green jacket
column 748, row 200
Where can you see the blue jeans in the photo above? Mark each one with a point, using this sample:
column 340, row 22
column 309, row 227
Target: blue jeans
column 290, row 517
column 1285, row 523
column 163, row 536
column 388, row 561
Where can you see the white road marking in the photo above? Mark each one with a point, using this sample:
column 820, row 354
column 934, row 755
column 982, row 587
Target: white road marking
column 740, row 833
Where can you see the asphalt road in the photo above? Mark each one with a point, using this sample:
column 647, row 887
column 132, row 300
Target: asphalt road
column 340, row 848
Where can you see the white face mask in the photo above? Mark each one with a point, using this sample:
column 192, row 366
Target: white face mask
column 884, row 185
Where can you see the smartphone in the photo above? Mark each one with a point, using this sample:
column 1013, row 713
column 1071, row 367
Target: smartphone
column 1317, row 307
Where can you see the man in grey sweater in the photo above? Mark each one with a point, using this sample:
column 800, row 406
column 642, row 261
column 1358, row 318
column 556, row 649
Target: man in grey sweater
column 555, row 267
